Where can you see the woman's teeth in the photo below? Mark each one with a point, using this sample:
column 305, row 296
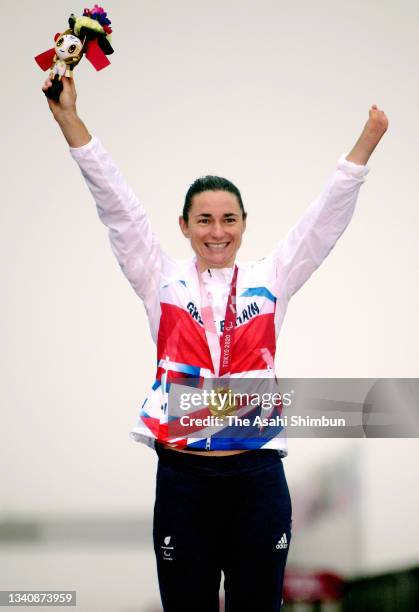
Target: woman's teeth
column 218, row 245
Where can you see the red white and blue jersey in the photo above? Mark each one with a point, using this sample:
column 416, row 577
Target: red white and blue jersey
column 171, row 293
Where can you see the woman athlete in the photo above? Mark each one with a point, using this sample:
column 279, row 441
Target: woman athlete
column 222, row 501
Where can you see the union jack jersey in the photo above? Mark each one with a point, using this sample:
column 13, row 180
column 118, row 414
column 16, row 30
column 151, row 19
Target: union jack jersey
column 171, row 293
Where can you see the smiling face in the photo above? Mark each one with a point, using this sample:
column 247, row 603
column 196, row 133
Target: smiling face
column 68, row 46
column 215, row 227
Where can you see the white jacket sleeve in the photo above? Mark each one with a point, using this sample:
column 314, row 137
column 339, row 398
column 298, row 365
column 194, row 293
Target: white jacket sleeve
column 132, row 240
column 313, row 237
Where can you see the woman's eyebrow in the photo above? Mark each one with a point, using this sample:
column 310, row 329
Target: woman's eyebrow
column 231, row 214
column 209, row 215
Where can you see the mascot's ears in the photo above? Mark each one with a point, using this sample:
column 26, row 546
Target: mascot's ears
column 45, row 59
column 93, row 52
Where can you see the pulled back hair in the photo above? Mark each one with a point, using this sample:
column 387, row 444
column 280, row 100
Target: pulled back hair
column 210, row 183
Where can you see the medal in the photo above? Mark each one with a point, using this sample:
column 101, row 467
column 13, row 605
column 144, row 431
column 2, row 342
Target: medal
column 222, row 403
column 221, row 399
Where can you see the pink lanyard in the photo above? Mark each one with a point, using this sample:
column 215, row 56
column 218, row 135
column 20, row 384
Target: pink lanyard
column 221, row 349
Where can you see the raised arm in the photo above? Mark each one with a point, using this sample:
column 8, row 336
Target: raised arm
column 314, row 236
column 132, row 240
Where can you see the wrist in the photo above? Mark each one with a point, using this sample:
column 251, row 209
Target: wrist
column 67, row 117
column 73, row 129
column 363, row 149
column 372, row 134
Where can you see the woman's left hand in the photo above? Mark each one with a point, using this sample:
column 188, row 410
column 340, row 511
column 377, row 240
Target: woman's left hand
column 373, row 131
column 377, row 122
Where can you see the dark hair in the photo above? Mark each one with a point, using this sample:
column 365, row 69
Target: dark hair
column 210, row 183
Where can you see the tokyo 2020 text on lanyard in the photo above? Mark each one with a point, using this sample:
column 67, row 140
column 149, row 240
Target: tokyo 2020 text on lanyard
column 221, row 349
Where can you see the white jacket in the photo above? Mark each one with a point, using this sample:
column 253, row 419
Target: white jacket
column 171, row 295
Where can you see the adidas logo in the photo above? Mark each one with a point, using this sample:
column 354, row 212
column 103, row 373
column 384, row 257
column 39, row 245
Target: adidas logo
column 282, row 543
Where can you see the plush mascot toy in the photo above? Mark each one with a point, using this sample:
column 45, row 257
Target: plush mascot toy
column 88, row 35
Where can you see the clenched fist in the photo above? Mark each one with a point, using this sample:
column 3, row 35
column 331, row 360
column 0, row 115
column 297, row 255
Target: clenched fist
column 373, row 131
column 377, row 120
column 65, row 113
column 67, row 101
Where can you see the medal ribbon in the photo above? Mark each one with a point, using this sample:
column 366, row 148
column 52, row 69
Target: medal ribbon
column 221, row 349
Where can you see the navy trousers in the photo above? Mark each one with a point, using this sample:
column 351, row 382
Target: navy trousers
column 213, row 514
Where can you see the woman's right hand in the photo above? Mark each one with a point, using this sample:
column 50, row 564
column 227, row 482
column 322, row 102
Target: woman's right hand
column 65, row 113
column 67, row 101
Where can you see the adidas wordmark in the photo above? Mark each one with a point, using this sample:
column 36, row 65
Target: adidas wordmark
column 283, row 542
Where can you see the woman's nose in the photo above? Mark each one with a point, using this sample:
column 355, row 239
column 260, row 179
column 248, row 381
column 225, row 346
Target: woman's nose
column 217, row 230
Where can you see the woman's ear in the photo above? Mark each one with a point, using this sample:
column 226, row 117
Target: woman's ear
column 183, row 226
